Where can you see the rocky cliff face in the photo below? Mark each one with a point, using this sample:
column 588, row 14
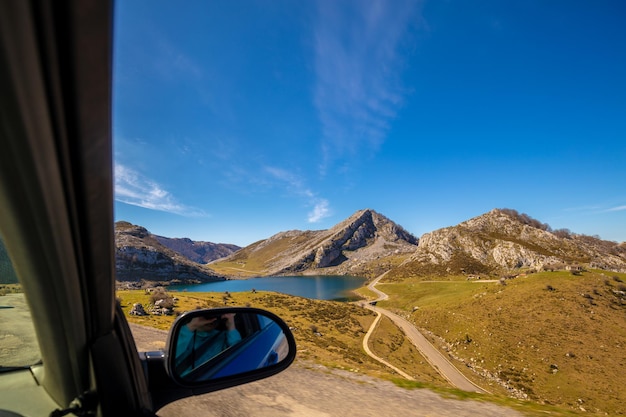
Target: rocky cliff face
column 501, row 240
column 140, row 256
column 197, row 251
column 368, row 244
column 346, row 248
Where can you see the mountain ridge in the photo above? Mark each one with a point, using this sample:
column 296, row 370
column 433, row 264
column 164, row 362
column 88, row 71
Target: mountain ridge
column 139, row 256
column 198, row 251
column 503, row 240
column 367, row 244
column 341, row 250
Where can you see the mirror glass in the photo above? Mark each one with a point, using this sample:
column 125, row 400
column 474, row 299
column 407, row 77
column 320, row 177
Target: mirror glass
column 211, row 344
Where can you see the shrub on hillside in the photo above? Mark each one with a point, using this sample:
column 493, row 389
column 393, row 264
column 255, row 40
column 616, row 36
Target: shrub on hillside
column 159, row 297
column 526, row 219
column 562, row 233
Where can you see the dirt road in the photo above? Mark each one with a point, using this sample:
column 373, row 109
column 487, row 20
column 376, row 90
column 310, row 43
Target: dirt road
column 18, row 341
column 437, row 360
column 308, row 390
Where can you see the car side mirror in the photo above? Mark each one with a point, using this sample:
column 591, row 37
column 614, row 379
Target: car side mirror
column 227, row 346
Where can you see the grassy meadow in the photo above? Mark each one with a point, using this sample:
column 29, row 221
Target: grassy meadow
column 326, row 332
column 552, row 337
column 553, row 340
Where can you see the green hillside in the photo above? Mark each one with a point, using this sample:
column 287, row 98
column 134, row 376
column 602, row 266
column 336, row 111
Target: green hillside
column 552, row 337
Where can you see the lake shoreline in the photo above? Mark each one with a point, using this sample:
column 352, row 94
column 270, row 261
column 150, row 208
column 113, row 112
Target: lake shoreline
column 320, row 287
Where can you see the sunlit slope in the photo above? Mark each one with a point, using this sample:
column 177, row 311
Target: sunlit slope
column 503, row 241
column 552, row 337
column 139, row 256
column 365, row 244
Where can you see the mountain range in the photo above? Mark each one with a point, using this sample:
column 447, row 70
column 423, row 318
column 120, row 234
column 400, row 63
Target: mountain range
column 349, row 248
column 140, row 255
column 503, row 240
column 367, row 244
column 198, row 251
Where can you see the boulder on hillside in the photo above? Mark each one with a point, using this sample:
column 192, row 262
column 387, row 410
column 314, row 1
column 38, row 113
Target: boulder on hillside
column 138, row 310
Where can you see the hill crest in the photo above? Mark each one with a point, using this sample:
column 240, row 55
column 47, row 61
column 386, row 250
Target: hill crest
column 346, row 248
column 503, row 240
column 140, row 256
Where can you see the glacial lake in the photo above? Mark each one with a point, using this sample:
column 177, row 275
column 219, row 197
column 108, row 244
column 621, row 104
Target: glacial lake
column 317, row 286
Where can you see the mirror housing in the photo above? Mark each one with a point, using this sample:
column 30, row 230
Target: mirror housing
column 265, row 349
column 212, row 349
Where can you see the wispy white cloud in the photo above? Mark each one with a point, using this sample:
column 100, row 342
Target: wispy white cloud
column 319, row 212
column 135, row 189
column 295, row 184
column 618, row 208
column 171, row 61
column 358, row 66
column 583, row 208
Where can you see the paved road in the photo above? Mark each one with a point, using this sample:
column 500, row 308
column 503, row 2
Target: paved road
column 310, row 390
column 435, row 358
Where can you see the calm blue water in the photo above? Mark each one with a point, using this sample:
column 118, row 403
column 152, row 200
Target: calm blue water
column 319, row 287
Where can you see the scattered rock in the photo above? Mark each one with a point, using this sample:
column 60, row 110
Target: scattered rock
column 138, row 310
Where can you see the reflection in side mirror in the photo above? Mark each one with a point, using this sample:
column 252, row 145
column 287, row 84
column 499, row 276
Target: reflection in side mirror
column 207, row 345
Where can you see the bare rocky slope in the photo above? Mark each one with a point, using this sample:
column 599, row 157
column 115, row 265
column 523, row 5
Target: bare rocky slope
column 503, row 240
column 198, row 251
column 347, row 248
column 367, row 244
column 140, row 256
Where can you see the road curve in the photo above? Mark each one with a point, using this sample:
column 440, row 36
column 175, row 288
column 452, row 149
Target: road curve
column 378, row 358
column 435, row 358
column 310, row 390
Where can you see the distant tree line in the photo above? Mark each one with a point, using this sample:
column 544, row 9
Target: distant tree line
column 562, row 233
column 526, row 219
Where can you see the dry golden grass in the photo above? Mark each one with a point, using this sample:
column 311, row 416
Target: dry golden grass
column 331, row 333
column 517, row 332
column 255, row 259
column 326, row 332
column 238, row 268
column 364, row 292
column 390, row 343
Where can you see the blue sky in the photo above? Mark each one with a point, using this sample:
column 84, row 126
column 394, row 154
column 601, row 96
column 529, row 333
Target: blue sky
column 237, row 120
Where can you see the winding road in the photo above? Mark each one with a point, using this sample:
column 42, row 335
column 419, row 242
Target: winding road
column 310, row 390
column 435, row 358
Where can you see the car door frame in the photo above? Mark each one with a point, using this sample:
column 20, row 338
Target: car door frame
column 56, row 196
column 56, row 192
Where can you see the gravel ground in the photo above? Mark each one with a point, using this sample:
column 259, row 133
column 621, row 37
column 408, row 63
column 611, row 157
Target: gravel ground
column 18, row 341
column 308, row 390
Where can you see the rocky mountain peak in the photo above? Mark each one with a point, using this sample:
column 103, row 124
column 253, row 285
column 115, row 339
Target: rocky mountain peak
column 140, row 256
column 129, row 229
column 368, row 224
column 345, row 248
column 503, row 240
column 198, row 251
